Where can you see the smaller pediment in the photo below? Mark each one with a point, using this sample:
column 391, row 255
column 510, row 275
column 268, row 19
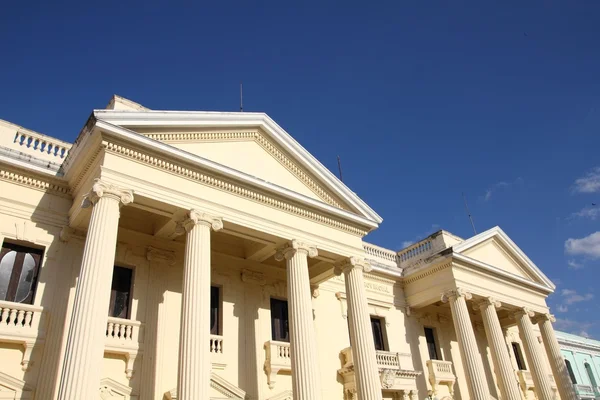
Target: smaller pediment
column 220, row 389
column 494, row 248
column 113, row 390
column 285, row 395
column 14, row 387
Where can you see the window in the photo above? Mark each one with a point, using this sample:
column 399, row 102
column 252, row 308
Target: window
column 279, row 320
column 431, row 345
column 590, row 373
column 378, row 336
column 571, row 374
column 215, row 315
column 120, row 293
column 518, row 356
column 19, row 268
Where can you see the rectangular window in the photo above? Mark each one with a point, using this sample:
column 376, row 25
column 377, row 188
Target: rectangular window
column 518, row 356
column 378, row 335
column 19, row 267
column 279, row 320
column 215, row 314
column 431, row 344
column 120, row 293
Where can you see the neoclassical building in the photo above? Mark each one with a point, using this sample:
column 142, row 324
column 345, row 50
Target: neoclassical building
column 207, row 255
column 582, row 356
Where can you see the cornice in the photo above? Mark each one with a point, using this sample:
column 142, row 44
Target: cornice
column 431, row 271
column 34, row 181
column 229, row 186
column 253, row 136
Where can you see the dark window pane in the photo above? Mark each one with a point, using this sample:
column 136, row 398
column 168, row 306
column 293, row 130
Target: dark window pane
column 120, row 295
column 377, row 333
column 571, row 374
column 518, row 356
column 18, row 273
column 431, row 345
column 215, row 328
column 279, row 320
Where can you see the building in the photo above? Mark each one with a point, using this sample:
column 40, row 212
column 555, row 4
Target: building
column 582, row 356
column 196, row 255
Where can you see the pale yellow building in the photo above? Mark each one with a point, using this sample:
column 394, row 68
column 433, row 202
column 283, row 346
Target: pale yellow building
column 207, row 255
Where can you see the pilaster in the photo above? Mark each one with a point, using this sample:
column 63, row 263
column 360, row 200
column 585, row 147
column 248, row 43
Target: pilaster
column 306, row 382
column 368, row 383
column 85, row 346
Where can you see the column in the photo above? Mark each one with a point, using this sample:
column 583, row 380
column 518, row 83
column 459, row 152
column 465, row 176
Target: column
column 557, row 361
column 509, row 386
column 533, row 353
column 85, row 344
column 474, row 373
column 194, row 351
column 306, row 383
column 367, row 379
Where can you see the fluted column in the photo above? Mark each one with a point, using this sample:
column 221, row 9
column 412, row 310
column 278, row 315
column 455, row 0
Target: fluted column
column 509, row 387
column 367, row 379
column 193, row 381
column 474, row 373
column 557, row 361
column 306, row 383
column 533, row 353
column 85, row 345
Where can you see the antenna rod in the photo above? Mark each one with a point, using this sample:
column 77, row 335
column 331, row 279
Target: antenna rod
column 469, row 213
column 340, row 168
column 241, row 97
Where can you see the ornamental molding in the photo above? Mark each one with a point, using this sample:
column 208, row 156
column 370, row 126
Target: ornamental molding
column 196, row 217
column 160, row 255
column 104, row 189
column 254, row 277
column 253, row 136
column 290, row 249
column 454, row 294
column 487, row 301
column 348, row 264
column 416, row 277
column 35, row 181
column 544, row 317
column 231, row 187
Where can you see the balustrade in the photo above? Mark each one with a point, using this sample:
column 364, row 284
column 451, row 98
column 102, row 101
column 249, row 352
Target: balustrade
column 278, row 358
column 440, row 373
column 584, row 391
column 216, row 344
column 42, row 144
column 385, row 256
column 21, row 323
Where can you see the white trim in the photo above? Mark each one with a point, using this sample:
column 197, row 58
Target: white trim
column 230, row 119
column 30, row 166
column 230, row 172
column 503, row 237
column 501, row 272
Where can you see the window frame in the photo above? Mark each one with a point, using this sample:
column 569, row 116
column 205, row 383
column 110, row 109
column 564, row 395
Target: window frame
column 112, row 301
column 17, row 268
column 218, row 328
column 383, row 337
column 571, row 372
column 519, row 359
column 285, row 317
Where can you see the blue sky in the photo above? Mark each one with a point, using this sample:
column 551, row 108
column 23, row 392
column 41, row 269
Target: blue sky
column 421, row 100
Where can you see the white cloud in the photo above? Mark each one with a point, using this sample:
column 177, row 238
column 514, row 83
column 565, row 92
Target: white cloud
column 562, row 308
column 574, row 264
column 572, row 297
column 588, row 246
column 500, row 185
column 584, row 334
column 572, row 326
column 590, row 183
column 592, row 213
column 407, row 243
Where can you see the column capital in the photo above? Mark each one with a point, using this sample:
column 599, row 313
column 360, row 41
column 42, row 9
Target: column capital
column 160, row 255
column 104, row 189
column 455, row 293
column 289, row 249
column 523, row 311
column 544, row 317
column 348, row 264
column 485, row 302
column 196, row 217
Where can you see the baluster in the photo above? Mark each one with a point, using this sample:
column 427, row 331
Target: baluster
column 110, row 329
column 117, row 331
column 13, row 317
column 128, row 332
column 218, row 348
column 123, row 332
column 20, row 318
column 28, row 318
column 3, row 315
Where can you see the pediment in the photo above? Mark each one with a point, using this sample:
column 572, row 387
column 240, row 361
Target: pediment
column 252, row 152
column 220, row 388
column 285, row 395
column 113, row 390
column 496, row 249
column 14, row 388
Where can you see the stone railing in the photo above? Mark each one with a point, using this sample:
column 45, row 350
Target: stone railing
column 584, row 391
column 381, row 255
column 37, row 144
column 440, row 373
column 552, row 381
column 418, row 249
column 216, row 344
column 124, row 336
column 23, row 324
column 278, row 358
column 525, row 380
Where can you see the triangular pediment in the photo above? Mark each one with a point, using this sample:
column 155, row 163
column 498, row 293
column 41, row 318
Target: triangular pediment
column 285, row 395
column 11, row 387
column 494, row 248
column 248, row 146
column 113, row 390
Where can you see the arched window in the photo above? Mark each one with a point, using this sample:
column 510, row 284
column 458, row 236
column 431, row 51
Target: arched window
column 588, row 369
column 571, row 374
